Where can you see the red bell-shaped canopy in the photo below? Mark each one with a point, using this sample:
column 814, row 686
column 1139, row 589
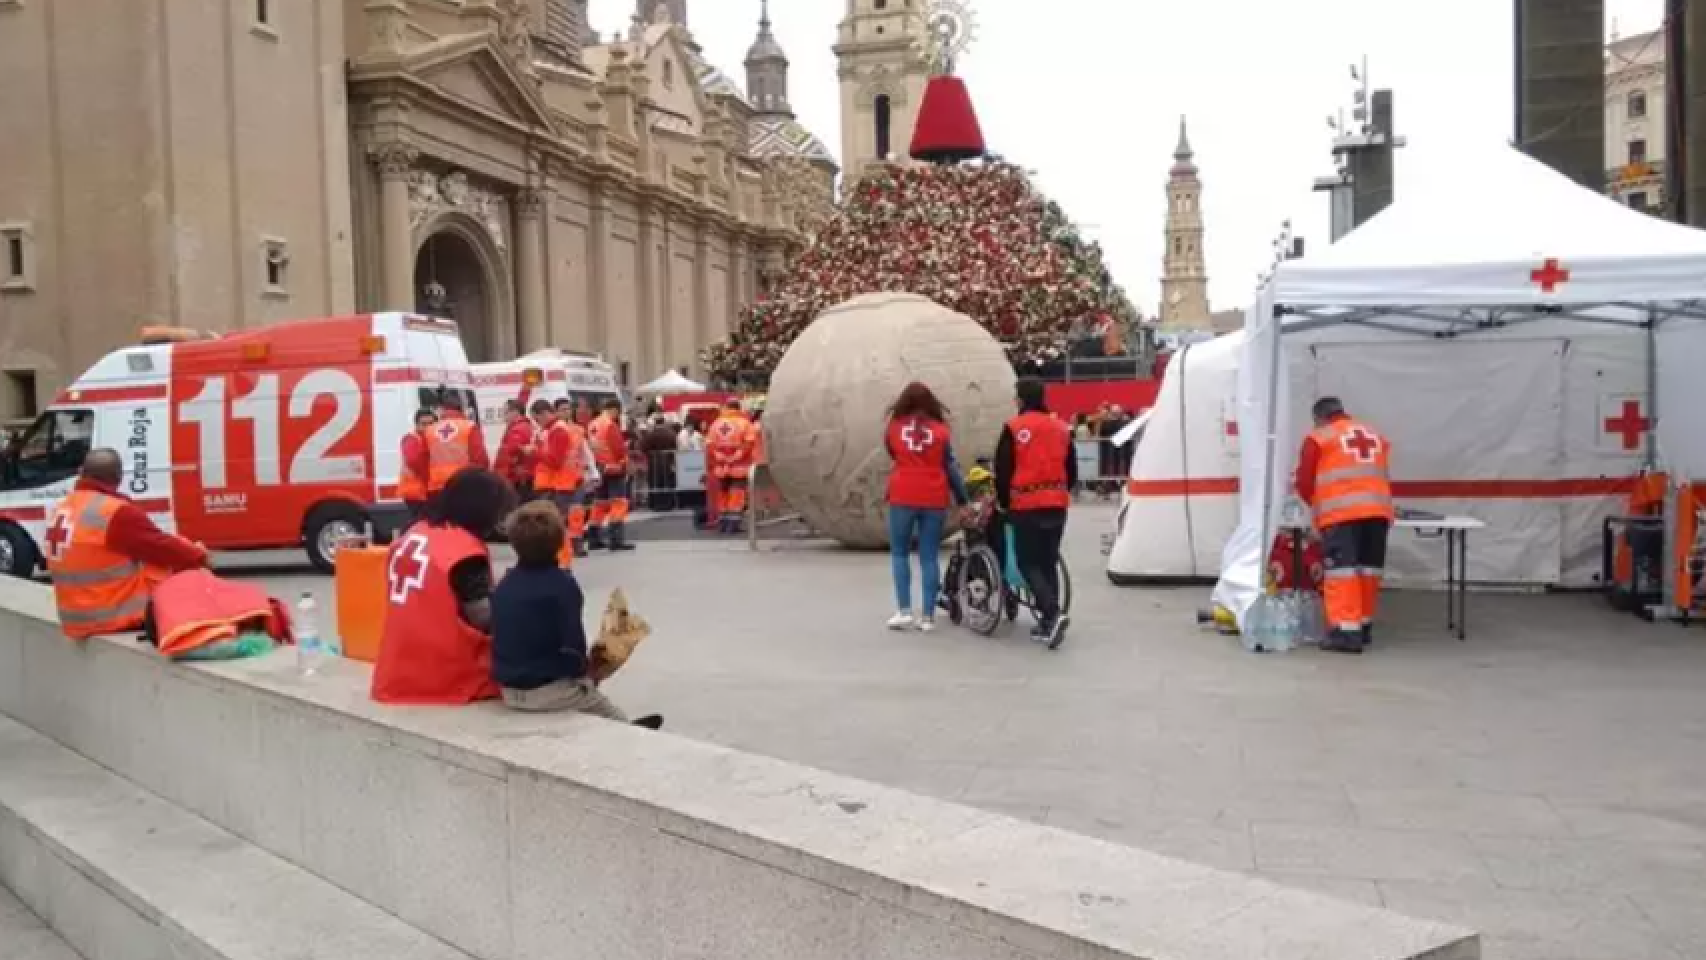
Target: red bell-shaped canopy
column 947, row 130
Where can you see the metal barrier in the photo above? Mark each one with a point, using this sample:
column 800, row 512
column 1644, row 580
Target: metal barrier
column 668, row 480
column 1102, row 468
column 768, row 510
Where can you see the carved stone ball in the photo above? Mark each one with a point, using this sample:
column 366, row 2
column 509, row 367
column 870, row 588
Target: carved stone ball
column 826, row 412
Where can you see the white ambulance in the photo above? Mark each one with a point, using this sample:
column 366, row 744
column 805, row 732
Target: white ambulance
column 284, row 436
column 550, row 374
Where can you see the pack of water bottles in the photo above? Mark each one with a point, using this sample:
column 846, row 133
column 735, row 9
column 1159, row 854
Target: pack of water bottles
column 1280, row 621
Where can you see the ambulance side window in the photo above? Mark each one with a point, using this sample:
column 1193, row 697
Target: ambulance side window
column 51, row 450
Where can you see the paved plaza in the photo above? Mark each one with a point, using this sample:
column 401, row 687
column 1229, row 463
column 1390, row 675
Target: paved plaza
column 1543, row 783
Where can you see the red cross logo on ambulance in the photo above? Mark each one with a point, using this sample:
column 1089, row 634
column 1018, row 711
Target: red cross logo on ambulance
column 1622, row 423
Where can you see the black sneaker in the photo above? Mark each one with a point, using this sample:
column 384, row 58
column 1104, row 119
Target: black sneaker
column 651, row 721
column 1339, row 643
column 620, row 546
column 1057, row 633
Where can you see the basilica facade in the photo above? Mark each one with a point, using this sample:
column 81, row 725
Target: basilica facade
column 222, row 164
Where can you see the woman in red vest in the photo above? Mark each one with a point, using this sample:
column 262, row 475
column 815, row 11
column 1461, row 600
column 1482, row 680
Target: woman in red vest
column 925, row 480
column 437, row 646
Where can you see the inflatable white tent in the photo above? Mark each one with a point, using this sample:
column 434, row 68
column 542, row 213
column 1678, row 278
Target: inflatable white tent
column 1181, row 502
column 1516, row 338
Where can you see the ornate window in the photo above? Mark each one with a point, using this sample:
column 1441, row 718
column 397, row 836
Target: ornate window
column 883, row 112
column 17, row 258
column 1637, row 104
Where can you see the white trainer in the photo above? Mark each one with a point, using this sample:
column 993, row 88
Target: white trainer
column 901, row 621
column 926, row 625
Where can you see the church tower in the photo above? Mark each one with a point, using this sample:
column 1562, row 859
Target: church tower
column 883, row 71
column 767, row 71
column 1184, row 277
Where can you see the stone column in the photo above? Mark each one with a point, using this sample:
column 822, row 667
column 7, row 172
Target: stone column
column 531, row 216
column 597, row 267
column 397, row 240
column 705, row 326
column 645, row 278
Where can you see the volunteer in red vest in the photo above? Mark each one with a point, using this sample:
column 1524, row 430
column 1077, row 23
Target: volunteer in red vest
column 564, row 461
column 105, row 555
column 453, row 443
column 922, row 483
column 610, row 503
column 513, row 462
column 411, row 474
column 1036, row 468
column 728, row 455
column 1344, row 474
column 437, row 645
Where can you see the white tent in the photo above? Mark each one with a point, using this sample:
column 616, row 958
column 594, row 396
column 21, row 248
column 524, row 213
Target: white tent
column 671, row 384
column 1181, row 502
column 1516, row 335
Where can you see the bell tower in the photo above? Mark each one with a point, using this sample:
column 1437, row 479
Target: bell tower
column 884, row 67
column 1184, row 277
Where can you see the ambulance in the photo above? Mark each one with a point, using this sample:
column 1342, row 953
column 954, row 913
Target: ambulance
column 284, row 436
column 550, row 374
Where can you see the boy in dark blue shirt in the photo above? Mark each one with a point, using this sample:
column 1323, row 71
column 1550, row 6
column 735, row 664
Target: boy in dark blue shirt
column 539, row 649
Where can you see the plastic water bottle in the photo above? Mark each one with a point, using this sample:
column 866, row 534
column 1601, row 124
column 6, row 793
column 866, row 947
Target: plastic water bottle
column 310, row 648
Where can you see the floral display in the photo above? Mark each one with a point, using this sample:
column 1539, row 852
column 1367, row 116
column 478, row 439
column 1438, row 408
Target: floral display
column 978, row 238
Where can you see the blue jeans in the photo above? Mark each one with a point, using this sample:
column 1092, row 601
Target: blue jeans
column 926, row 525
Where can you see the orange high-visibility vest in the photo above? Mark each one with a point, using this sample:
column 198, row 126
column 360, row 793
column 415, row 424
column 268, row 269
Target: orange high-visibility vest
column 729, row 443
column 1353, row 477
column 409, row 486
column 568, row 477
column 1040, row 445
column 610, row 447
column 97, row 589
column 449, row 449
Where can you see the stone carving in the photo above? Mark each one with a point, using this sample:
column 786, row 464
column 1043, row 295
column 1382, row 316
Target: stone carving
column 514, row 34
column 431, row 194
column 394, row 160
column 824, row 414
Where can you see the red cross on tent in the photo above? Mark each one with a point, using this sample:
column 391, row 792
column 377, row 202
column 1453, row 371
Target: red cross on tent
column 1630, row 425
column 1550, row 276
column 1361, row 444
column 58, row 535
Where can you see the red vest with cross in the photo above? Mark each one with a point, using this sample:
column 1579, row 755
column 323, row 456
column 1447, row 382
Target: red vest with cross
column 429, row 655
column 1041, row 442
column 450, row 447
column 1353, row 476
column 919, row 446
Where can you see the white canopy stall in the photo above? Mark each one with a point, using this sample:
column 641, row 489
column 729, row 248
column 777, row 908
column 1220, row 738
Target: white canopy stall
column 1515, row 335
column 671, row 383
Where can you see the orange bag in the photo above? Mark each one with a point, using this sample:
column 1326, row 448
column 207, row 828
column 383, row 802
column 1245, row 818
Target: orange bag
column 360, row 587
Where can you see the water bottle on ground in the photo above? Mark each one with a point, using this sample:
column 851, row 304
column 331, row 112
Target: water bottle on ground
column 310, row 643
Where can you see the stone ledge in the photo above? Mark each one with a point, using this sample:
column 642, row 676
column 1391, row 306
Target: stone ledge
column 23, row 936
column 444, row 817
column 122, row 874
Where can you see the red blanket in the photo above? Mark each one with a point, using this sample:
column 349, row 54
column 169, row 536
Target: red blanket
column 195, row 609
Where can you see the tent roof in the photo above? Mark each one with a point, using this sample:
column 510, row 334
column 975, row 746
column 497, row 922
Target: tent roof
column 672, row 382
column 1478, row 228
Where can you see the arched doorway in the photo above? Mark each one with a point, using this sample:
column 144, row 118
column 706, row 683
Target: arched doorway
column 457, row 277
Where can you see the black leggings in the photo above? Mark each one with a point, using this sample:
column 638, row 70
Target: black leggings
column 1036, row 541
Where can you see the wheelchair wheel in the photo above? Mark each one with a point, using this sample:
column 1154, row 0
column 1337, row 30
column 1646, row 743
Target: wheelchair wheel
column 980, row 592
column 949, row 594
column 1065, row 589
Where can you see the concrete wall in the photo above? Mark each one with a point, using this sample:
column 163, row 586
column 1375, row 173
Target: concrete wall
column 566, row 837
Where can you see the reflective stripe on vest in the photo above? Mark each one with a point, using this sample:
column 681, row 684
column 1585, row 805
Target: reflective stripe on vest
column 96, row 589
column 96, row 618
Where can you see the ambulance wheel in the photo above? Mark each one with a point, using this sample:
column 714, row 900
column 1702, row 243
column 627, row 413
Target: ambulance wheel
column 329, row 525
column 17, row 552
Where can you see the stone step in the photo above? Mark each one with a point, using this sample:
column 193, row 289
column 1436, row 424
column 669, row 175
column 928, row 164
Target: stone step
column 24, row 937
column 120, row 873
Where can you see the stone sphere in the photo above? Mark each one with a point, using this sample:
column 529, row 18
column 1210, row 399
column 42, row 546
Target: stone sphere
column 826, row 411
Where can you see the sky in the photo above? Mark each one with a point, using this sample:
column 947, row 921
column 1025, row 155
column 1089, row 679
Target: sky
column 1087, row 94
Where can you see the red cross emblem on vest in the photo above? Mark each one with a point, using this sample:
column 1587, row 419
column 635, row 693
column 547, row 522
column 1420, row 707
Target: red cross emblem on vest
column 917, row 436
column 1360, row 444
column 446, row 431
column 1550, row 276
column 58, row 535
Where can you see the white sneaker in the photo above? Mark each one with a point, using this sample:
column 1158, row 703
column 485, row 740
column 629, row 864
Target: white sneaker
column 901, row 621
column 927, row 624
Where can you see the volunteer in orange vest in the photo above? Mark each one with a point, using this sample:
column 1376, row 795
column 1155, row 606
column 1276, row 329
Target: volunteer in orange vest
column 513, row 461
column 923, row 482
column 453, row 443
column 437, row 645
column 728, row 454
column 610, row 503
column 105, row 555
column 1036, row 468
column 562, row 471
column 411, row 472
column 1344, row 474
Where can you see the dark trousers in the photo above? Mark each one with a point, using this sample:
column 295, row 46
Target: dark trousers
column 1355, row 560
column 1036, row 543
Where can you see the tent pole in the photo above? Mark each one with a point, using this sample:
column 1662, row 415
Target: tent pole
column 1652, row 387
column 1271, row 453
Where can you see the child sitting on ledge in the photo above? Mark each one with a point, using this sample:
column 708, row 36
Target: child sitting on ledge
column 539, row 648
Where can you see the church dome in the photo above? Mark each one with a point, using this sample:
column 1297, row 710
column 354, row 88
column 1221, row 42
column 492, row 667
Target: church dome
column 765, row 49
